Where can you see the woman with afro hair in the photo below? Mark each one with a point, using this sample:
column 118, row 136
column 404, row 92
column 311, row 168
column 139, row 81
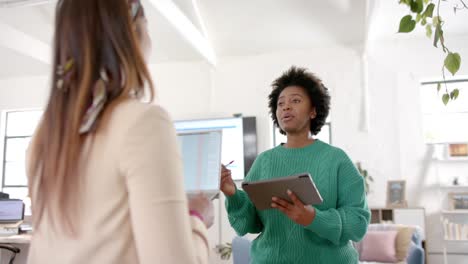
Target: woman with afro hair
column 292, row 232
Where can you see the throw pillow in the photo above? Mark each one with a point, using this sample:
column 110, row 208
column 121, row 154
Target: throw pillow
column 403, row 241
column 379, row 246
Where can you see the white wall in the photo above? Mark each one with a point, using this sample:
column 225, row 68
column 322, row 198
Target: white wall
column 183, row 88
column 242, row 84
column 26, row 92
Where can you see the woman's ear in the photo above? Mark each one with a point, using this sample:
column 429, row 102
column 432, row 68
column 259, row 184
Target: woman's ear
column 313, row 113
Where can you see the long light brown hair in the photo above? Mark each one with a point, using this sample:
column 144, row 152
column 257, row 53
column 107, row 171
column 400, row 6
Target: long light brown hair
column 95, row 35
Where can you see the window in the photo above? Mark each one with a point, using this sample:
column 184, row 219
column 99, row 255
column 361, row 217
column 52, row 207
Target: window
column 18, row 129
column 444, row 123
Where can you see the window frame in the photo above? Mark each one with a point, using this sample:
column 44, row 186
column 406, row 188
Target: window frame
column 4, row 119
column 426, row 84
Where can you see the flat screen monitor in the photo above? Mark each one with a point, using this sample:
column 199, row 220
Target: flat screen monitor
column 11, row 210
column 239, row 140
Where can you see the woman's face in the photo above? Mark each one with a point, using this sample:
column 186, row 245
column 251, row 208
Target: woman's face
column 294, row 110
column 145, row 40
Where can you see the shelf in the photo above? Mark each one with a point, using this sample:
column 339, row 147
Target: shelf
column 455, row 211
column 457, row 240
column 461, row 187
column 460, row 159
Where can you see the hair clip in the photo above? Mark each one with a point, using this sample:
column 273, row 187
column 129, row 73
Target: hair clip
column 62, row 72
column 97, row 106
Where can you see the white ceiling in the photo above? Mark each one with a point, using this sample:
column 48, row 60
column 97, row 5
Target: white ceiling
column 247, row 27
column 33, row 21
column 167, row 43
column 234, row 28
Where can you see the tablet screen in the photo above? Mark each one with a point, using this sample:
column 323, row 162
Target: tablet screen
column 201, row 155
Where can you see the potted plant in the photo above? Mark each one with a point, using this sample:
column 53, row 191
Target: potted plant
column 367, row 178
column 224, row 250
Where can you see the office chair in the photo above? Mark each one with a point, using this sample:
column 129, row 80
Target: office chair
column 14, row 250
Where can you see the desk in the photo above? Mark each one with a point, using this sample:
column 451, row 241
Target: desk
column 16, row 239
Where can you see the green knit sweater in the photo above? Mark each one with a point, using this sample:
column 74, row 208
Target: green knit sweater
column 341, row 218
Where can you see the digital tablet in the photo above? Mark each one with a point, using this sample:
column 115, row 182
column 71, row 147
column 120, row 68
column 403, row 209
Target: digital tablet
column 261, row 192
column 201, row 156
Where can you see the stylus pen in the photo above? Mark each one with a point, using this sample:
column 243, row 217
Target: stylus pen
column 229, row 163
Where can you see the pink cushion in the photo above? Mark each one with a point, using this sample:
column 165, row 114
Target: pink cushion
column 379, row 246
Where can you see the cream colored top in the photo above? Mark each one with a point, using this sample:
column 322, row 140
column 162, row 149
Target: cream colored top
column 134, row 208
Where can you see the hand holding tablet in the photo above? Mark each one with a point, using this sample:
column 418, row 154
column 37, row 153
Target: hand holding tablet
column 302, row 185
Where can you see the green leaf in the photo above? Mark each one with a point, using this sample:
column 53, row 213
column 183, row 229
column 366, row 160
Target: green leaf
column 438, row 87
column 429, row 10
column 445, row 98
column 455, row 93
column 423, row 22
column 429, row 30
column 452, row 62
column 426, row 1
column 418, row 18
column 406, row 2
column 407, row 24
column 437, row 34
column 436, row 20
column 417, row 6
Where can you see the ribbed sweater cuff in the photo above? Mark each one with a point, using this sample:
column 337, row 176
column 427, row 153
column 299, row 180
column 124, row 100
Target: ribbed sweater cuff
column 320, row 221
column 236, row 201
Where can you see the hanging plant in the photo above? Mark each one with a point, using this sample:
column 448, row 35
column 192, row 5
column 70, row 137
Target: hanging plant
column 422, row 12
